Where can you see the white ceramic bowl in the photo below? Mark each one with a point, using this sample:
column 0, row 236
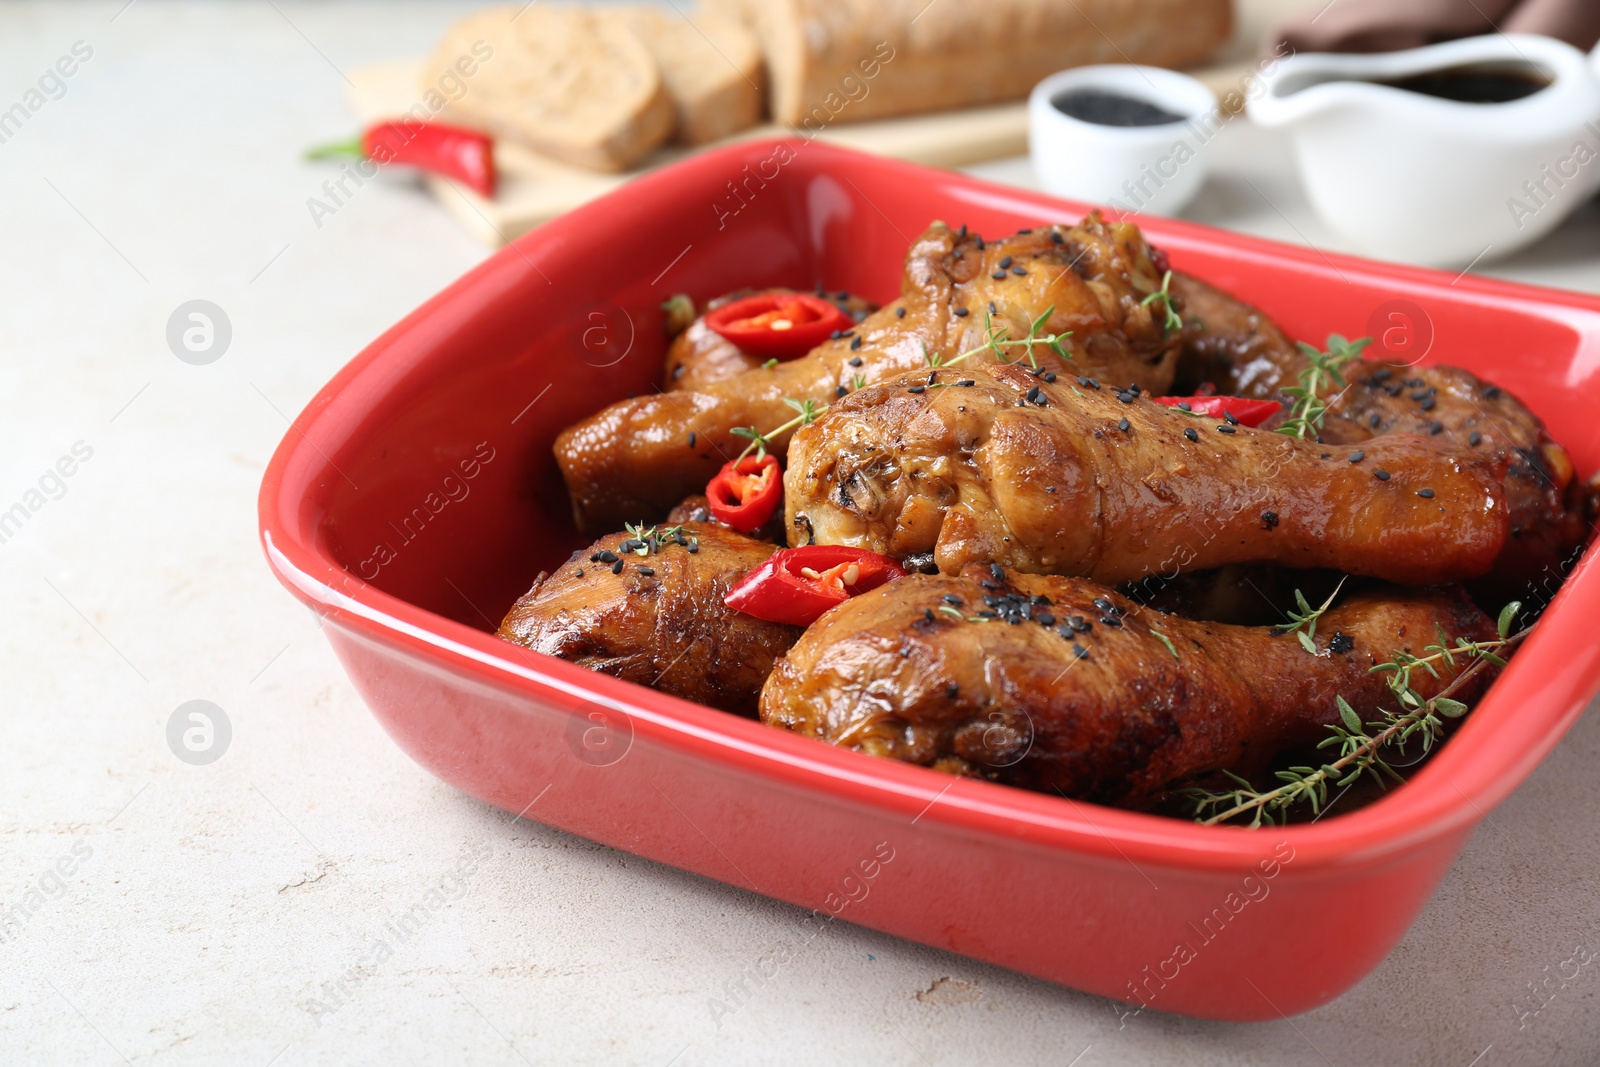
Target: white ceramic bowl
column 1152, row 169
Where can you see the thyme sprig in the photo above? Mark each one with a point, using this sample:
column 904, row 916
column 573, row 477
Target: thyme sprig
column 1163, row 296
column 1324, row 369
column 997, row 339
column 1303, row 622
column 644, row 540
column 1361, row 746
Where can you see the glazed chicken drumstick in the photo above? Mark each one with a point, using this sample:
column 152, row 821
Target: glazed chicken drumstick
column 648, row 609
column 1059, row 684
column 639, row 456
column 992, row 462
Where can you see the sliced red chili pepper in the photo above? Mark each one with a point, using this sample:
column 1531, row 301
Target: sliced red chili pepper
column 465, row 155
column 746, row 492
column 778, row 325
column 1247, row 412
column 796, row 585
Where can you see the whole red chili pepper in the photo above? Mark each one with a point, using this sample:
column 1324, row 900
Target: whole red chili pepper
column 465, row 155
column 1245, row 412
column 796, row 585
column 745, row 493
column 778, row 325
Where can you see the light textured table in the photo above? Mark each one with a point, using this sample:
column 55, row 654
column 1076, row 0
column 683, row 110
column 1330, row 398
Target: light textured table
column 207, row 907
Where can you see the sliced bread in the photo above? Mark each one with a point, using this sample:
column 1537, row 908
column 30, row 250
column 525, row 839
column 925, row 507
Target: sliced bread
column 711, row 65
column 560, row 80
column 846, row 60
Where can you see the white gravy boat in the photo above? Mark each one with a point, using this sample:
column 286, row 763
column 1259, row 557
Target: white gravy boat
column 1424, row 179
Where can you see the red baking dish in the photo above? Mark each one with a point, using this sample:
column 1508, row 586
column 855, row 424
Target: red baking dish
column 416, row 497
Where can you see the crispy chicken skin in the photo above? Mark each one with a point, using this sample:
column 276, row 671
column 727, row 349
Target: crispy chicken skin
column 904, row 672
column 668, row 629
column 699, row 355
column 640, row 456
column 1063, row 478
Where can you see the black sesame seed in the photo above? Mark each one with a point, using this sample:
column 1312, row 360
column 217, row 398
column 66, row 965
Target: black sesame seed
column 1226, row 429
column 607, row 556
column 980, row 244
column 1325, row 455
column 1110, row 620
column 694, row 547
column 1436, row 428
column 1104, row 605
column 1492, row 393
column 835, row 335
column 1018, row 271
column 616, row 568
column 1044, row 618
column 961, row 313
column 1050, row 376
column 927, row 613
column 900, row 313
column 692, row 439
column 1373, row 420
column 1426, row 494
column 578, row 573
column 999, row 275
column 840, row 391
column 1034, row 394
column 1357, row 456
column 1188, row 431
column 1269, row 519
column 916, row 389
column 966, row 382
column 1428, row 404
column 1422, row 394
column 1227, row 417
column 1055, row 238
column 1382, row 374
column 1126, row 398
column 855, row 343
column 992, row 309
column 933, row 376
column 1080, row 624
column 1183, row 405
column 648, row 572
column 1005, row 262
column 1474, row 438
column 1079, row 651
column 1341, row 643
column 855, row 361
column 951, row 598
column 998, row 571
column 1123, row 425
column 1083, row 381
column 1382, row 476
column 1412, row 383
column 952, row 690
column 677, row 372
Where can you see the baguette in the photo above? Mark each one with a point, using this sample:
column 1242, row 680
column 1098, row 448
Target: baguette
column 849, row 60
column 561, row 80
column 711, row 66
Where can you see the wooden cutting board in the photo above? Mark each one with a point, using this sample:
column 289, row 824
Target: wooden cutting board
column 534, row 188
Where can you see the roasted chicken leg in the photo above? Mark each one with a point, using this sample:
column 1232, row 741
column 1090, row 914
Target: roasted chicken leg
column 649, row 610
column 994, row 462
column 640, row 456
column 1059, row 684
